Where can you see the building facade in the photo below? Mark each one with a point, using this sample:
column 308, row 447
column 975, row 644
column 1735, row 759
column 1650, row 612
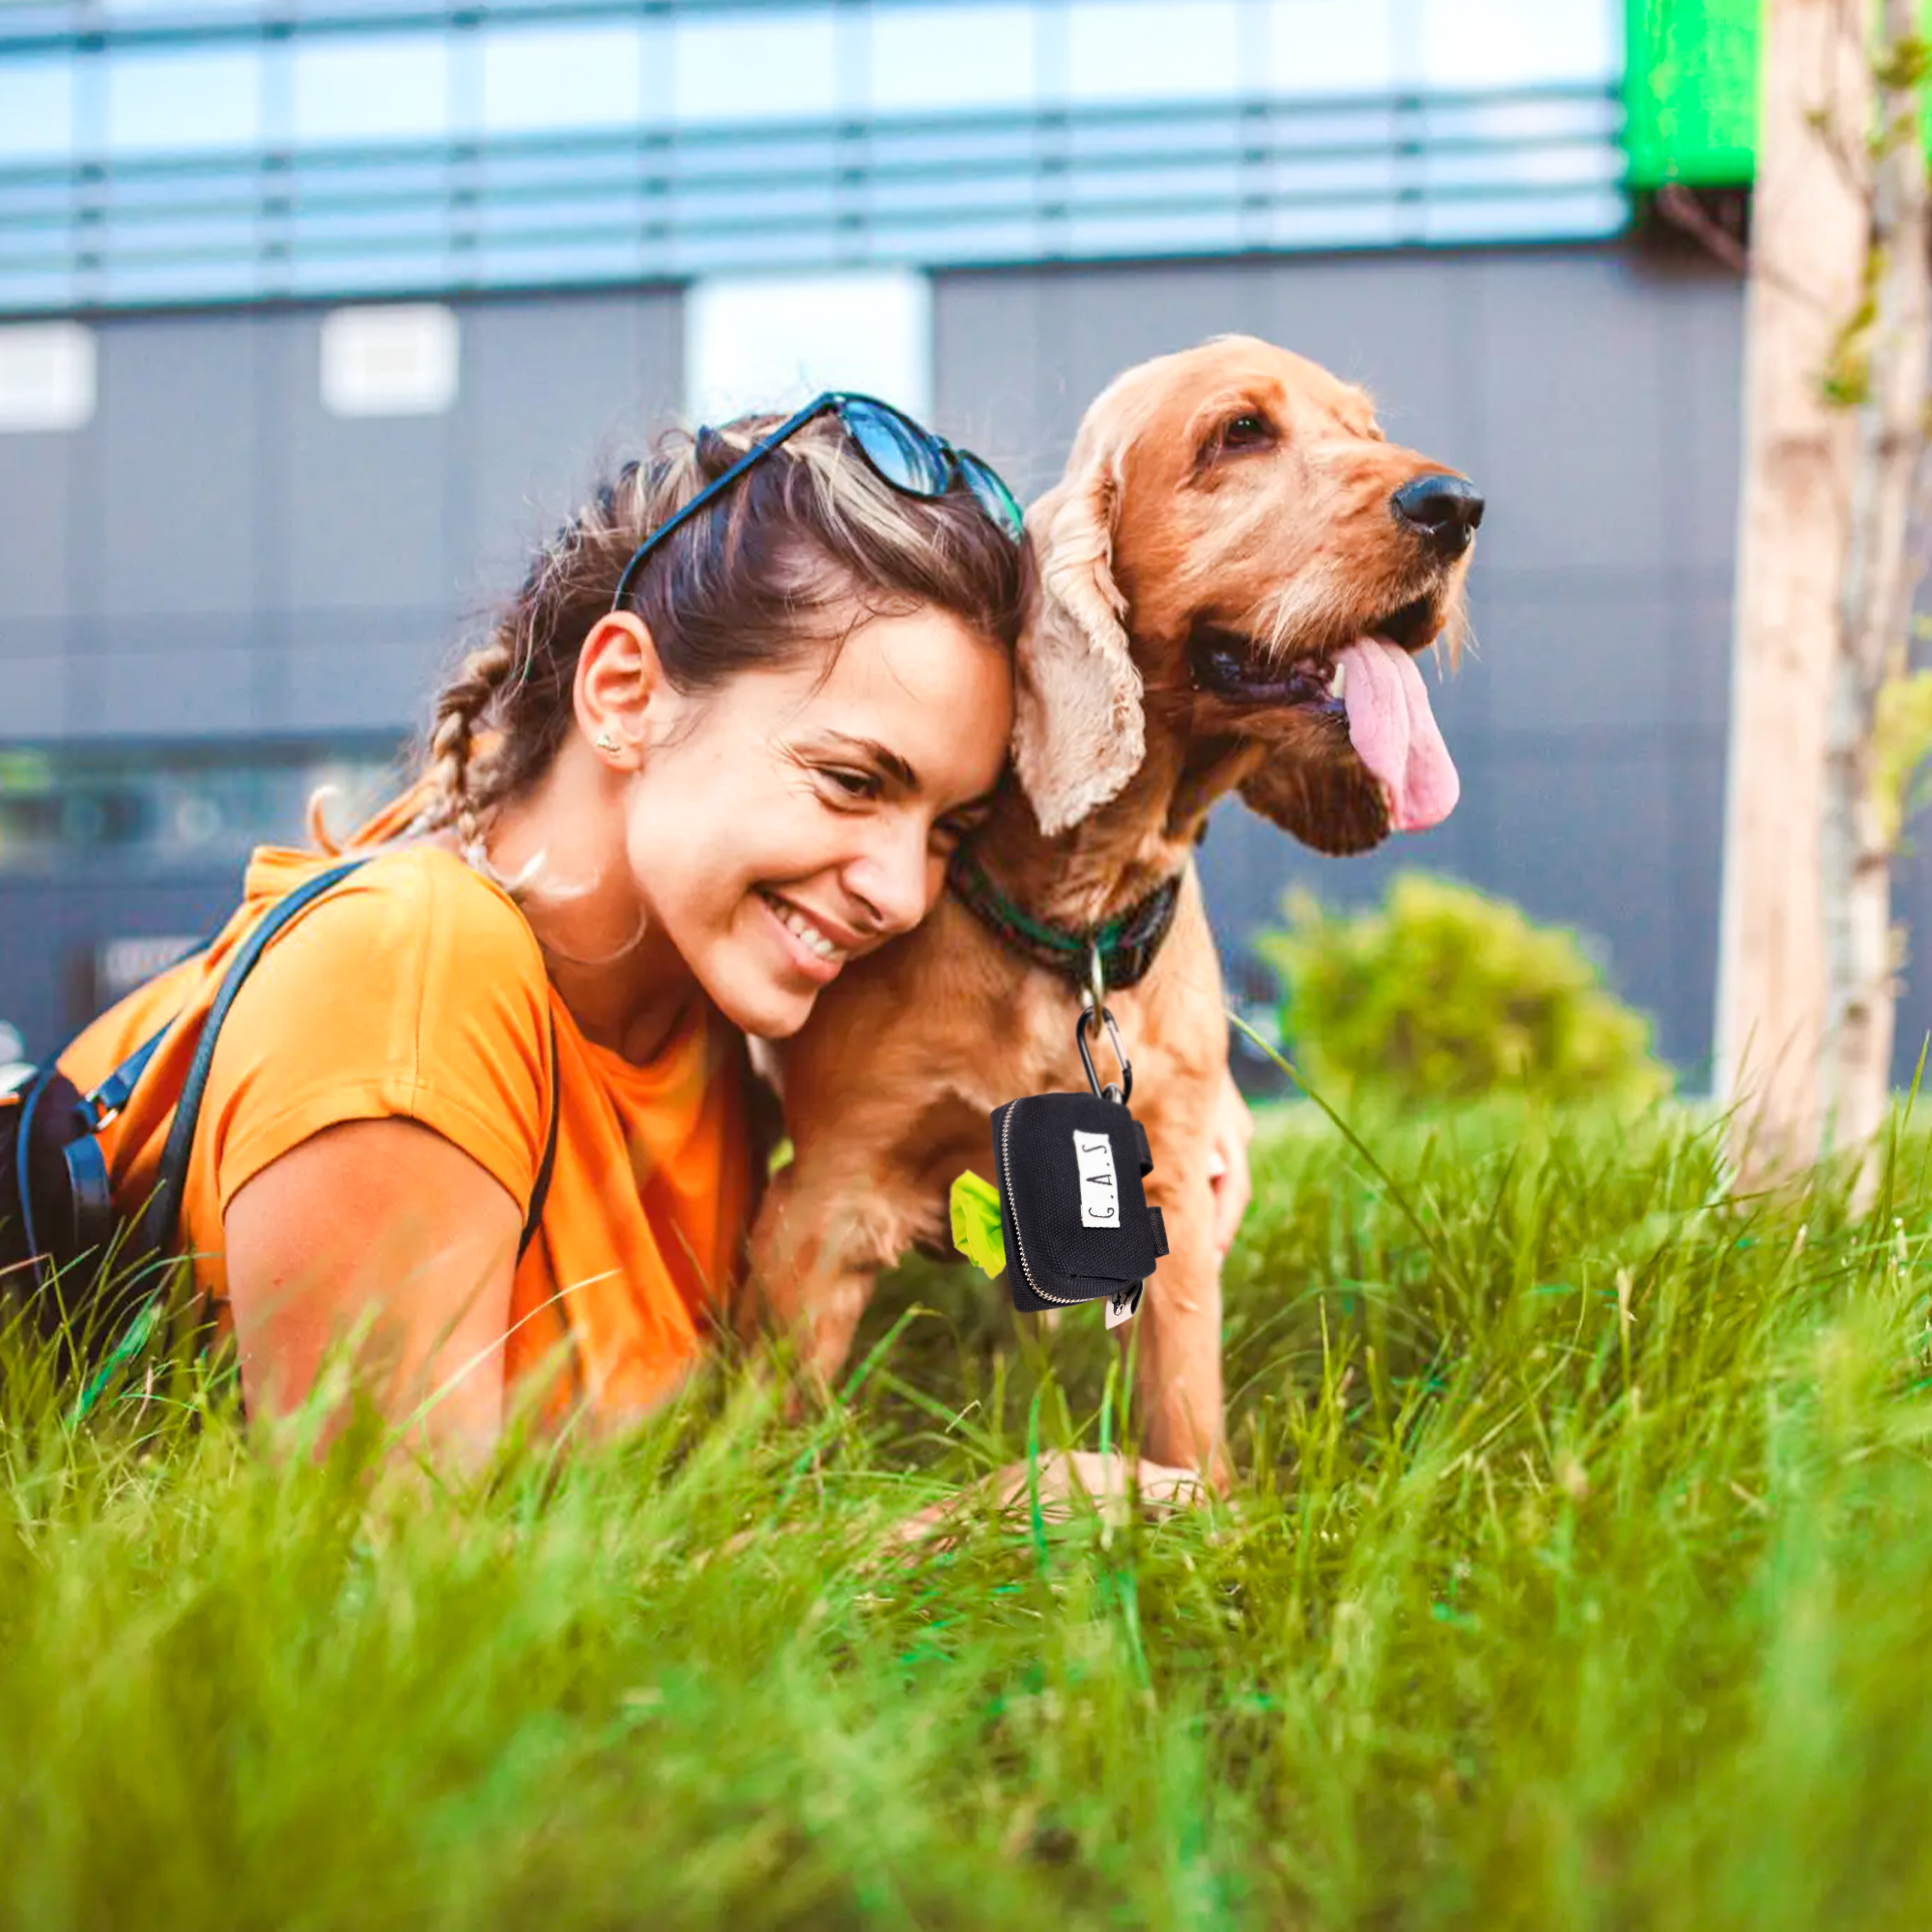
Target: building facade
column 315, row 318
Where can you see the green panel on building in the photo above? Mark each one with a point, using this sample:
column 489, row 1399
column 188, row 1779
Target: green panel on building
column 1691, row 89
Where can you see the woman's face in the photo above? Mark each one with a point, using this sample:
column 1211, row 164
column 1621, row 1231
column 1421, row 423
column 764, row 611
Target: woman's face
column 792, row 821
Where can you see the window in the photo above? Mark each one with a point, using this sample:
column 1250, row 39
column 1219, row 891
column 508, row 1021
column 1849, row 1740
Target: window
column 385, row 88
column 184, row 102
column 175, row 808
column 1135, row 50
column 394, row 360
column 765, row 342
column 36, row 110
column 755, row 67
column 1484, row 44
column 46, row 376
column 1330, row 46
column 562, row 77
column 196, row 7
column 952, row 57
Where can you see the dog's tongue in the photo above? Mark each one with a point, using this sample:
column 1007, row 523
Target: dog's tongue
column 1395, row 734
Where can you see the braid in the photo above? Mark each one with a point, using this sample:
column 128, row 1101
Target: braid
column 319, row 835
column 463, row 796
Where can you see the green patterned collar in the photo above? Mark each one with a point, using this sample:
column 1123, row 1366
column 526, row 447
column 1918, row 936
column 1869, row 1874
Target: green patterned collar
column 1126, row 943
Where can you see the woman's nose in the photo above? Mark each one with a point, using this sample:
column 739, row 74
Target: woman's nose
column 893, row 879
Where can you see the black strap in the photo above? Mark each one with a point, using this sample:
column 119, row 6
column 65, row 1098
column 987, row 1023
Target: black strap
column 162, row 1221
column 112, row 1094
column 540, row 1188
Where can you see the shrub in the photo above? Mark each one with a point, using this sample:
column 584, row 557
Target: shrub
column 1445, row 993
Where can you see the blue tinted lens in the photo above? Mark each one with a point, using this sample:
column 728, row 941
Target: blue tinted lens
column 993, row 497
column 900, row 450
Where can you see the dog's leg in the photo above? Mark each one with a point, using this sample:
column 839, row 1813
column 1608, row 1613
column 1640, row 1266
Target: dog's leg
column 823, row 1235
column 1180, row 1336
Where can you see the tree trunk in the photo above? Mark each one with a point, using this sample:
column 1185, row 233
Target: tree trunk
column 1875, row 612
column 1811, row 221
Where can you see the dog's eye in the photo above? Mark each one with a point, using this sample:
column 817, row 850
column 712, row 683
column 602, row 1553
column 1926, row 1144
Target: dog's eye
column 1247, row 431
column 951, row 832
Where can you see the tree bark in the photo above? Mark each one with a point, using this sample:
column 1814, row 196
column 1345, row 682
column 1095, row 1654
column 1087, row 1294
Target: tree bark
column 1875, row 613
column 1810, row 225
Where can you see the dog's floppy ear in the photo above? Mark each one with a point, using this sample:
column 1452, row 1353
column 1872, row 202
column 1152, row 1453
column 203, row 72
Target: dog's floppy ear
column 1332, row 808
column 1079, row 733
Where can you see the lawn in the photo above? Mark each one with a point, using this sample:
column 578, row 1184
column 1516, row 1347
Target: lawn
column 1581, row 1576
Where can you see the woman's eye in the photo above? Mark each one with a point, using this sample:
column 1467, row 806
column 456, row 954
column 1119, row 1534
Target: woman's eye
column 855, row 785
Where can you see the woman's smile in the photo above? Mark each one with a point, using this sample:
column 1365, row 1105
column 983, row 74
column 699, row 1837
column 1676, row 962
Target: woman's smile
column 806, row 945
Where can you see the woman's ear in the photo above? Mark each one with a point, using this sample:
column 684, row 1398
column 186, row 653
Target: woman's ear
column 1079, row 732
column 618, row 678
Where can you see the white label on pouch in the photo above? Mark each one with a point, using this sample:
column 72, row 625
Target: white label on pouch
column 1099, row 1191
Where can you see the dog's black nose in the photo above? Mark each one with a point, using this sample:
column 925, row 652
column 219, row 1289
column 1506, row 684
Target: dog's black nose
column 1445, row 510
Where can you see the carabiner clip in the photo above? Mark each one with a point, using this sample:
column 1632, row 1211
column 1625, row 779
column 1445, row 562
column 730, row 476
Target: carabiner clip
column 1123, row 1093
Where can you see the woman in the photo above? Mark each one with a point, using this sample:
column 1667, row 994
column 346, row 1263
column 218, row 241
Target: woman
column 720, row 742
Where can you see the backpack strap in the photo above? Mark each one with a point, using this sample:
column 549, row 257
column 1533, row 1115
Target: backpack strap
column 540, row 1190
column 162, row 1220
column 113, row 1093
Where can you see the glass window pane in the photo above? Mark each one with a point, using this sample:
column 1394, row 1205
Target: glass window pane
column 184, row 103
column 1330, row 46
column 36, row 109
column 769, row 342
column 1476, row 43
column 962, row 57
column 555, row 77
column 46, row 376
column 758, row 66
column 386, row 87
column 197, row 8
column 1120, row 51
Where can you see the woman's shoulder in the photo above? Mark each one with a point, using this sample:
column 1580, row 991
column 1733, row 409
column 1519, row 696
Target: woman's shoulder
column 413, row 987
column 413, row 910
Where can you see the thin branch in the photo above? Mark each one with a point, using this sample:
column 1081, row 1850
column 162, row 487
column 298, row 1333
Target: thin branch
column 1682, row 209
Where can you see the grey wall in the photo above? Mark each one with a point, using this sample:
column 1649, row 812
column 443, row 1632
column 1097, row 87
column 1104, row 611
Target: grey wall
column 215, row 558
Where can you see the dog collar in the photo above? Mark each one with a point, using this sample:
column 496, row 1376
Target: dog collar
column 1125, row 944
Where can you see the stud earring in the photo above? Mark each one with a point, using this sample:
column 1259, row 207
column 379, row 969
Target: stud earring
column 607, row 743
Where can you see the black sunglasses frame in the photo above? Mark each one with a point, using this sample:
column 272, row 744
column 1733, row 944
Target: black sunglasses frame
column 833, row 402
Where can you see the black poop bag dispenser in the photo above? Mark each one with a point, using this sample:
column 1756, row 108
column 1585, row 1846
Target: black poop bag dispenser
column 1073, row 1210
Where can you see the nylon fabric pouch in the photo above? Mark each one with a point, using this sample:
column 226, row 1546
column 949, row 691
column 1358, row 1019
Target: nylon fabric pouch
column 1072, row 1207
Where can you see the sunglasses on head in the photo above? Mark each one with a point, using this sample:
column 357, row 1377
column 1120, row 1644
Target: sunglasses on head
column 910, row 457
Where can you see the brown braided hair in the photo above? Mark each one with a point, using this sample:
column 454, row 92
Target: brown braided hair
column 803, row 546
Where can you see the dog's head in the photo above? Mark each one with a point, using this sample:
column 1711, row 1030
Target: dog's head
column 1238, row 557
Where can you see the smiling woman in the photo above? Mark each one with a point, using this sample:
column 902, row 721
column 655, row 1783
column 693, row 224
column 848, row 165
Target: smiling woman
column 720, row 742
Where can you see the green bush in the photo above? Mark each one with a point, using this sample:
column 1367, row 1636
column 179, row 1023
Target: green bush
column 1445, row 993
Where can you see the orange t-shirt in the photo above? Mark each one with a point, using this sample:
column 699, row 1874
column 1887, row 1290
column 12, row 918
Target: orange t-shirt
column 416, row 989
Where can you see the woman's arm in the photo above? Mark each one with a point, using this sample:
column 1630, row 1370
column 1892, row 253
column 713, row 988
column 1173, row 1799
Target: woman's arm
column 383, row 1220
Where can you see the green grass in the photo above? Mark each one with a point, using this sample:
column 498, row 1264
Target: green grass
column 1581, row 1576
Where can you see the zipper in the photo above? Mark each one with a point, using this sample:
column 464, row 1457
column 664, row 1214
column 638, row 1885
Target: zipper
column 1006, row 1182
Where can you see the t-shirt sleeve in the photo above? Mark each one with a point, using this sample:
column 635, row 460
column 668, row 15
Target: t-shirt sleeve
column 413, row 990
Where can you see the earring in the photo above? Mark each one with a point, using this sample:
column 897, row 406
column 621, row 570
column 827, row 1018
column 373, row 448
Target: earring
column 607, row 743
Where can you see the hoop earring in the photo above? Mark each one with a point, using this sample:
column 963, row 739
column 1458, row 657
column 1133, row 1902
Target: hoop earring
column 600, row 958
